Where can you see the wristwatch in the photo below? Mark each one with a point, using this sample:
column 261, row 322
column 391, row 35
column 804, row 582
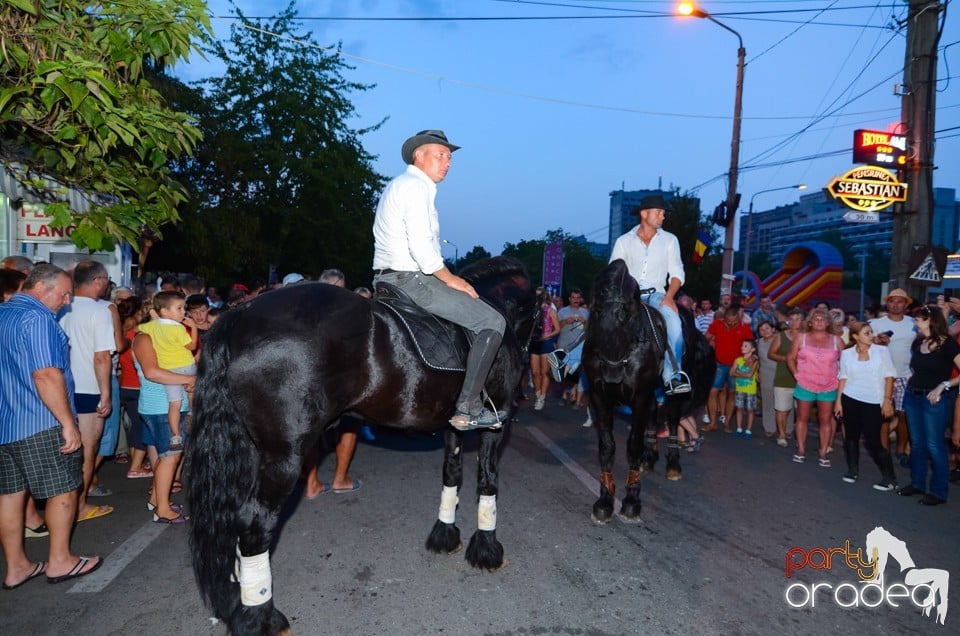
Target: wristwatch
column 946, row 385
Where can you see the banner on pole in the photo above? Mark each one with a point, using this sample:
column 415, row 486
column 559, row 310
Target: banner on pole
column 553, row 267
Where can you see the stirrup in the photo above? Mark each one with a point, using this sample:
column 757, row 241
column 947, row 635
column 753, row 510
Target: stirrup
column 678, row 384
column 485, row 419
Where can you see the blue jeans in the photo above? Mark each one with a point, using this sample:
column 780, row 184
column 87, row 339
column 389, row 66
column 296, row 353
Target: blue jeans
column 674, row 335
column 158, row 428
column 111, row 426
column 927, row 423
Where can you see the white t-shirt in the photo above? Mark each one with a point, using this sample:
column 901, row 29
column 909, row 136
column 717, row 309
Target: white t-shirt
column 89, row 325
column 903, row 336
column 866, row 378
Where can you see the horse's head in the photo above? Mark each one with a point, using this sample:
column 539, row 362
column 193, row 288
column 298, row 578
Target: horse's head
column 504, row 282
column 615, row 294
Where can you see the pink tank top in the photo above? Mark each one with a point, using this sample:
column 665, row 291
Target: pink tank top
column 547, row 321
column 817, row 367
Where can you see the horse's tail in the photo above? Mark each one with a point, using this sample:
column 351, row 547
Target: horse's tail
column 221, row 461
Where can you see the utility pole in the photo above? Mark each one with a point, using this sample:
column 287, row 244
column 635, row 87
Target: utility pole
column 911, row 226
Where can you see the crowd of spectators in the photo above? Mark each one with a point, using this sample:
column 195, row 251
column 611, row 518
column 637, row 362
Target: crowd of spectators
column 887, row 382
column 93, row 372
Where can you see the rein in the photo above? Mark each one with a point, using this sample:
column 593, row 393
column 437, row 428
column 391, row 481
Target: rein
column 536, row 317
column 646, row 309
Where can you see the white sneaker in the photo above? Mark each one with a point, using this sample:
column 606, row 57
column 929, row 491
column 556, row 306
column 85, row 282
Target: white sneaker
column 705, row 419
column 589, row 422
column 782, row 442
column 538, row 405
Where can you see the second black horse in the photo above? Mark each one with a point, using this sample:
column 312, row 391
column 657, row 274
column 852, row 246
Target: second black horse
column 625, row 346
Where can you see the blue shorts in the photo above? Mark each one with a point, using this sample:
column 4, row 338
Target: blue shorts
column 86, row 403
column 158, row 427
column 806, row 395
column 722, row 379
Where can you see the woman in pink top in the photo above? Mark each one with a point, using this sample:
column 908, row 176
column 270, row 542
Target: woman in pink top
column 814, row 359
column 543, row 345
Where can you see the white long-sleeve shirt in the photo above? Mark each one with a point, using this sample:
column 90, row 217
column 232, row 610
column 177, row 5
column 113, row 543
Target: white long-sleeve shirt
column 406, row 229
column 651, row 265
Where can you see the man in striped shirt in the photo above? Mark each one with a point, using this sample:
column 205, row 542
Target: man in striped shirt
column 39, row 437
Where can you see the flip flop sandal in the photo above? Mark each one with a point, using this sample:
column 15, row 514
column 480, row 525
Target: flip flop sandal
column 37, row 571
column 96, row 512
column 77, row 571
column 355, row 484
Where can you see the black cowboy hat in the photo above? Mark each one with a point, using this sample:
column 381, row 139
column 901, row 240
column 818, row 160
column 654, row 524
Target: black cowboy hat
column 652, row 202
column 422, row 138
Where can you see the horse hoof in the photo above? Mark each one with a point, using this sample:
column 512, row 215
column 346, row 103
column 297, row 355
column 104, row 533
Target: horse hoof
column 602, row 512
column 673, row 475
column 630, row 511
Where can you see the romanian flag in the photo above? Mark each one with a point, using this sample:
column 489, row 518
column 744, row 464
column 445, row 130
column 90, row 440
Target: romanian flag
column 703, row 244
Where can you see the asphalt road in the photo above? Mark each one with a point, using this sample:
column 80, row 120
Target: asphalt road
column 708, row 557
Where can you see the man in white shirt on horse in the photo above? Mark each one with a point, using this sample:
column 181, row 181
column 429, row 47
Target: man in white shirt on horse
column 653, row 258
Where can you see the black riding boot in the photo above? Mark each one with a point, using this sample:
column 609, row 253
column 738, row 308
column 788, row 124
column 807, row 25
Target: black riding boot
column 470, row 410
column 888, row 479
column 851, row 448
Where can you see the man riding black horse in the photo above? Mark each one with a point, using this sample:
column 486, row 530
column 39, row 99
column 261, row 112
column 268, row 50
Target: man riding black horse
column 652, row 256
column 406, row 234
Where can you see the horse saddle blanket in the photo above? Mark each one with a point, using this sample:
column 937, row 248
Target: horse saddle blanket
column 441, row 344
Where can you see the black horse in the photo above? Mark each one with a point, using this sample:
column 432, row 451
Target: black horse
column 276, row 372
column 625, row 346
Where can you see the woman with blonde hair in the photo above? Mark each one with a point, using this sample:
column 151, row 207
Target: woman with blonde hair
column 814, row 361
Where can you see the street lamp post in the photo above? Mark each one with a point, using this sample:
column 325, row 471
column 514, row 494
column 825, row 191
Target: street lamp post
column 688, row 9
column 746, row 249
column 456, row 254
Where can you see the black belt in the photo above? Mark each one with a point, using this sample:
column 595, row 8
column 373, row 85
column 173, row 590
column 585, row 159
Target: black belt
column 916, row 391
column 386, row 270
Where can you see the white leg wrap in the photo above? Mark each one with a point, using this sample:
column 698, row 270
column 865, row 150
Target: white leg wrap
column 256, row 584
column 487, row 513
column 448, row 504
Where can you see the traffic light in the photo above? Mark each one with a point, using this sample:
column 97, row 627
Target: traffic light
column 720, row 214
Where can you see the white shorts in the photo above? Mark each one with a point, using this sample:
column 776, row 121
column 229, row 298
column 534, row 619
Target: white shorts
column 782, row 399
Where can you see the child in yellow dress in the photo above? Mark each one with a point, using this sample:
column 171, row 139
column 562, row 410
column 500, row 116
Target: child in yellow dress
column 744, row 372
column 175, row 349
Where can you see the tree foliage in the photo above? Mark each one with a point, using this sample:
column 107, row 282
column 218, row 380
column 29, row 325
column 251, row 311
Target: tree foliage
column 703, row 279
column 478, row 252
column 77, row 107
column 280, row 177
column 580, row 267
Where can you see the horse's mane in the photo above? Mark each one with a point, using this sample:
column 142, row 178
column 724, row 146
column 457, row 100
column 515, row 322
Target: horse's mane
column 608, row 284
column 489, row 268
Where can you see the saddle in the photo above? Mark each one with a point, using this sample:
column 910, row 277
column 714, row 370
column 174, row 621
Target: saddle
column 441, row 344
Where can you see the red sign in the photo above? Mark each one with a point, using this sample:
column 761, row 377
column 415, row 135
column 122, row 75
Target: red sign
column 879, row 148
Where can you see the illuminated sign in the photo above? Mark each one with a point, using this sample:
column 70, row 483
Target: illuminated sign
column 868, row 189
column 879, row 148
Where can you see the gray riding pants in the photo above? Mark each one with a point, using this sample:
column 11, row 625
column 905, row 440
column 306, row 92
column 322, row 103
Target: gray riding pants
column 435, row 296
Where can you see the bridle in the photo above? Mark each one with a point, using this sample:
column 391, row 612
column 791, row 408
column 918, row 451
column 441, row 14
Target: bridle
column 621, row 301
